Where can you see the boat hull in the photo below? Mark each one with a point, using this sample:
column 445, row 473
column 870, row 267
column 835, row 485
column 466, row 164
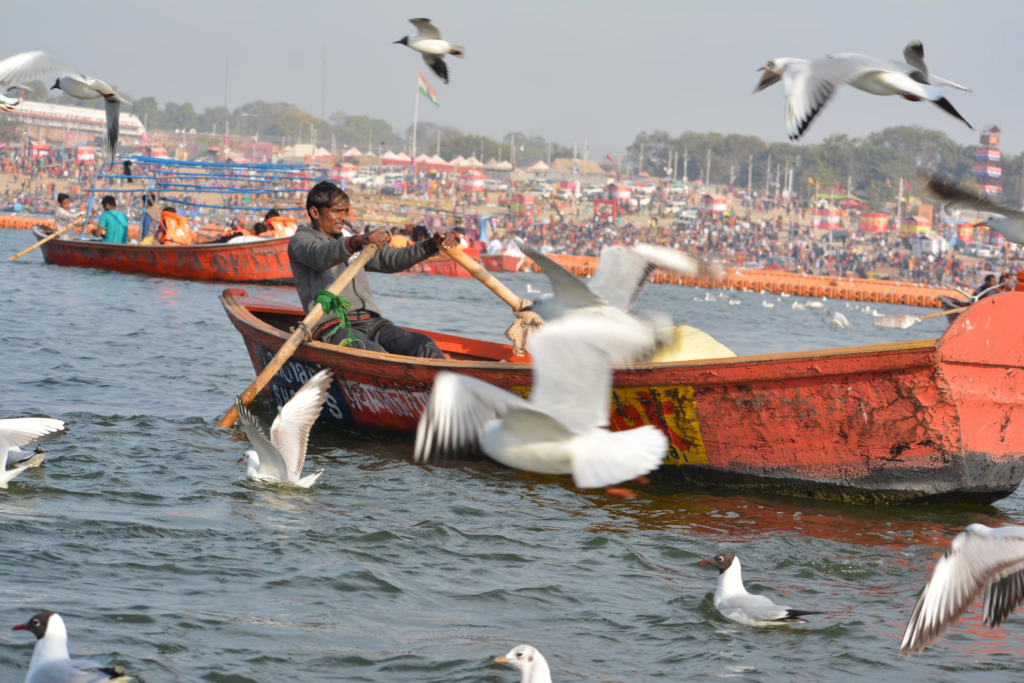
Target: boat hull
column 255, row 262
column 919, row 421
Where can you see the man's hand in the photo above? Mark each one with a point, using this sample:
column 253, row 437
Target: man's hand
column 377, row 237
column 444, row 240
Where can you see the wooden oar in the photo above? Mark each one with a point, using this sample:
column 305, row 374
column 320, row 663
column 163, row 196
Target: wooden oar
column 298, row 336
column 40, row 243
column 480, row 273
column 902, row 321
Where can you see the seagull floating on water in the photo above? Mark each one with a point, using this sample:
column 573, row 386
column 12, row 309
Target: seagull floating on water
column 1009, row 223
column 280, row 457
column 979, row 559
column 21, row 431
column 767, row 304
column 531, row 290
column 429, row 43
column 809, row 85
column 735, row 302
column 32, row 65
column 51, row 662
column 529, row 661
column 735, row 603
column 563, row 427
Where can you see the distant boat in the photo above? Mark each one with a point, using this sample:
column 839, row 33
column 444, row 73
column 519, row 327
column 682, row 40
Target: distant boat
column 933, row 420
column 261, row 261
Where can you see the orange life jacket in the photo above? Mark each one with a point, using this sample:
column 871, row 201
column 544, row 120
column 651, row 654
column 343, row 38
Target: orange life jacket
column 280, row 226
column 176, row 230
column 398, row 241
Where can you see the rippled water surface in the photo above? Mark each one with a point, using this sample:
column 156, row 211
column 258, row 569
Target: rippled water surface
column 141, row 530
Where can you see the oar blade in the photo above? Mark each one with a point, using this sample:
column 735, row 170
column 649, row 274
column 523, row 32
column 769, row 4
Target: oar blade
column 897, row 321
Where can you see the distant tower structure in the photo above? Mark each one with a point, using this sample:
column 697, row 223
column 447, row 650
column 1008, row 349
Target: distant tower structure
column 988, row 162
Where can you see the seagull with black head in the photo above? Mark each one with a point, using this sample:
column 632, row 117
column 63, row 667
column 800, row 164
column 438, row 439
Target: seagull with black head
column 429, row 43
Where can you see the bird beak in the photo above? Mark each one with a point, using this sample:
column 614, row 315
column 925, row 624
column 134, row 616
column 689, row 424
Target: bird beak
column 240, row 459
column 704, row 562
column 496, row 660
column 762, row 68
column 20, row 627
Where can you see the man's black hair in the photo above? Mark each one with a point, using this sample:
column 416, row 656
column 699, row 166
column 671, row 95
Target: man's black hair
column 169, row 209
column 324, row 195
column 61, row 197
column 150, row 200
column 109, row 201
column 260, row 228
column 420, row 233
column 273, row 213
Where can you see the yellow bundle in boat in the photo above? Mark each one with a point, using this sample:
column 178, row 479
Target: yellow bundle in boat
column 689, row 343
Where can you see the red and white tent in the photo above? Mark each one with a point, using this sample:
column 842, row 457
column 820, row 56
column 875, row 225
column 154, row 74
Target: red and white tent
column 352, row 153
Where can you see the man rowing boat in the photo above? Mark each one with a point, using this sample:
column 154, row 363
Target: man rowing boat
column 318, row 257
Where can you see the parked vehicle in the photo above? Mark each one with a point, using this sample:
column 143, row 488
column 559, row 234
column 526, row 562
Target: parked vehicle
column 495, row 185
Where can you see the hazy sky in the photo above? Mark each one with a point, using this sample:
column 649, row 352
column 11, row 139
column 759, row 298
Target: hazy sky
column 598, row 70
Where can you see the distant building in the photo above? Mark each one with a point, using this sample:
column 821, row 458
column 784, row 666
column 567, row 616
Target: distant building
column 72, row 125
column 988, row 167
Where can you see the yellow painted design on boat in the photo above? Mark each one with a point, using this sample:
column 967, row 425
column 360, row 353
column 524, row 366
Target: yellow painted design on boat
column 672, row 408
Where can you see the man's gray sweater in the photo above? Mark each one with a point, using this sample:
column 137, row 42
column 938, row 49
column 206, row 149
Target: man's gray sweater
column 317, row 261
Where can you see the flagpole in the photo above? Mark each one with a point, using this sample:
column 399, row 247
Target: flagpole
column 415, row 118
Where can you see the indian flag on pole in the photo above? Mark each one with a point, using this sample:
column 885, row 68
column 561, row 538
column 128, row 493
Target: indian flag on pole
column 427, row 91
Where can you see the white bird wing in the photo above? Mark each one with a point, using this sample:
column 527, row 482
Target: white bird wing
column 623, row 271
column 272, row 463
column 290, row 431
column 755, row 607
column 572, row 377
column 571, row 291
column 942, row 82
column 426, row 29
column 459, row 408
column 602, row 458
column 79, row 671
column 958, row 196
column 913, row 54
column 979, row 558
column 113, row 126
column 30, row 66
column 807, row 93
column 20, row 431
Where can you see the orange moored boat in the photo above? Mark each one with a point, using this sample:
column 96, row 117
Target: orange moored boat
column 940, row 419
column 260, row 261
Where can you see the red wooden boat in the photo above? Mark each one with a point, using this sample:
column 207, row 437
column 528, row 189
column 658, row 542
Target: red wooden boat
column 939, row 419
column 442, row 265
column 265, row 261
column 501, row 263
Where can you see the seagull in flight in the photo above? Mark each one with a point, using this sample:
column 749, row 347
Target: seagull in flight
column 980, row 559
column 429, row 43
column 529, row 661
column 51, row 662
column 621, row 274
column 563, row 427
column 20, row 431
column 1009, row 223
column 280, row 458
column 809, row 85
column 735, row 603
column 32, row 65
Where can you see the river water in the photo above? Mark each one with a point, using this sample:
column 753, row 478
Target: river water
column 141, row 530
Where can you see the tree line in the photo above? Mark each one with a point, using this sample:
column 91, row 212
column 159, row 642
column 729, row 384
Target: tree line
column 869, row 168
